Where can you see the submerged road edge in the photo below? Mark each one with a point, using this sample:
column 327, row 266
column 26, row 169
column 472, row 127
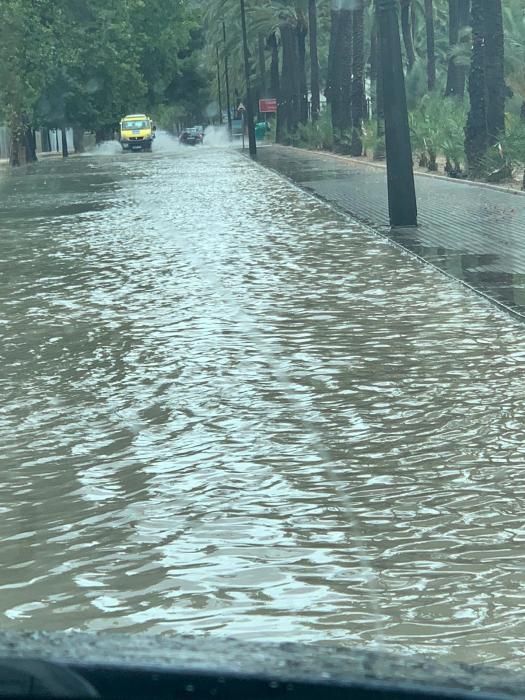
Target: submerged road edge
column 387, row 234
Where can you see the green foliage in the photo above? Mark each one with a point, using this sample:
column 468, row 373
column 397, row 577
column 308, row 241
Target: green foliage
column 513, row 144
column 436, row 128
column 314, row 135
column 86, row 62
column 372, row 143
column 505, row 157
column 26, row 51
column 514, row 25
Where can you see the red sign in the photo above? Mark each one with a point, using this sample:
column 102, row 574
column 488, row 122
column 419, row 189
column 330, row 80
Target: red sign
column 268, row 105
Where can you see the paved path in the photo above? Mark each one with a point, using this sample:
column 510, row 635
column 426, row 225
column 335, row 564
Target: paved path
column 473, row 232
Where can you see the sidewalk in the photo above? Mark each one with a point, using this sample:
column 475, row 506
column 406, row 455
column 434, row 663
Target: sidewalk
column 470, row 231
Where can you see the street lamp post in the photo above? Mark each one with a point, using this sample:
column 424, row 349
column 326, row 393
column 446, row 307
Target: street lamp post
column 227, row 80
column 219, row 85
column 402, row 206
column 249, row 103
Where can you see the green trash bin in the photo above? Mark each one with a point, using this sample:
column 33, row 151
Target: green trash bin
column 260, row 131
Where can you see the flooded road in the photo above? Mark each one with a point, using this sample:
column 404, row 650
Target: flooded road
column 227, row 409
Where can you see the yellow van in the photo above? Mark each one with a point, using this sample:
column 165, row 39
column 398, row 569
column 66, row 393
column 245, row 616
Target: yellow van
column 137, row 132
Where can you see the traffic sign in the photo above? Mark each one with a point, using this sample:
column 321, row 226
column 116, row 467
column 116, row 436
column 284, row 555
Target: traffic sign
column 268, row 105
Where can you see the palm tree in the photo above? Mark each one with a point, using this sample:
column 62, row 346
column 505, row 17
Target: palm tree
column 431, row 45
column 379, row 146
column 301, row 29
column 340, row 80
column 261, row 63
column 358, row 82
column 314, row 59
column 459, row 15
column 406, row 28
column 494, row 70
column 289, row 103
column 332, row 46
column 275, row 82
column 476, row 136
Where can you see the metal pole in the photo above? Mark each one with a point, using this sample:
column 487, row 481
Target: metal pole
column 402, row 206
column 227, row 81
column 219, row 85
column 249, row 104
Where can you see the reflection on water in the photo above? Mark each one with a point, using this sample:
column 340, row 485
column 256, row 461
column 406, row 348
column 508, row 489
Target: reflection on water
column 475, row 234
column 201, row 366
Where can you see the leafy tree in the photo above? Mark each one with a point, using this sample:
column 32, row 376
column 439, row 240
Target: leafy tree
column 26, row 51
column 84, row 63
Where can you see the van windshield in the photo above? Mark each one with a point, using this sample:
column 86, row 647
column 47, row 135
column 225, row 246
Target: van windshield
column 135, row 124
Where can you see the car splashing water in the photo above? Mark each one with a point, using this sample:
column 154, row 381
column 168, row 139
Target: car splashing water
column 227, row 409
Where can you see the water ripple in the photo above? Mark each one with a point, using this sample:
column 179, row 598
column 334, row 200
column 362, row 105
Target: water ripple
column 201, row 367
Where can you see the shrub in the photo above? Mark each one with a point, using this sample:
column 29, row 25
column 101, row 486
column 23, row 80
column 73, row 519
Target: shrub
column 436, row 128
column 314, row 135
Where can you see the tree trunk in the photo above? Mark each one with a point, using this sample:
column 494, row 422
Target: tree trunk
column 261, row 60
column 65, row 151
column 78, row 139
column 453, row 38
column 30, row 135
column 373, row 55
column 379, row 147
column 22, row 147
column 314, row 60
column 45, row 140
column 494, row 70
column 459, row 16
column 358, row 80
column 342, row 86
column 332, row 48
column 431, row 45
column 17, row 152
column 274, row 66
column 289, row 103
column 406, row 27
column 413, row 19
column 302, row 33
column 476, row 137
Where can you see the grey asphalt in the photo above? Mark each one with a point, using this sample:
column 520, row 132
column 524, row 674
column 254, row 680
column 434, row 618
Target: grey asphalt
column 470, row 231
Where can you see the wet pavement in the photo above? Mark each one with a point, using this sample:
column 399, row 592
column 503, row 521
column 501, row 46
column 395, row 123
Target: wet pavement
column 228, row 409
column 473, row 233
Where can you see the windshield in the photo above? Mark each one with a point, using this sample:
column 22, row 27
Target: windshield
column 263, row 377
column 135, row 124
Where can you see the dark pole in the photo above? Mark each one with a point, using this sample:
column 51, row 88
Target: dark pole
column 65, row 152
column 227, row 80
column 249, row 104
column 402, row 205
column 219, row 86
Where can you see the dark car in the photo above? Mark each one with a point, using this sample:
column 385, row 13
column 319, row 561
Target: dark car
column 191, row 137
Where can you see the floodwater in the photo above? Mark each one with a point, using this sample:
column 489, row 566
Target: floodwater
column 229, row 410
